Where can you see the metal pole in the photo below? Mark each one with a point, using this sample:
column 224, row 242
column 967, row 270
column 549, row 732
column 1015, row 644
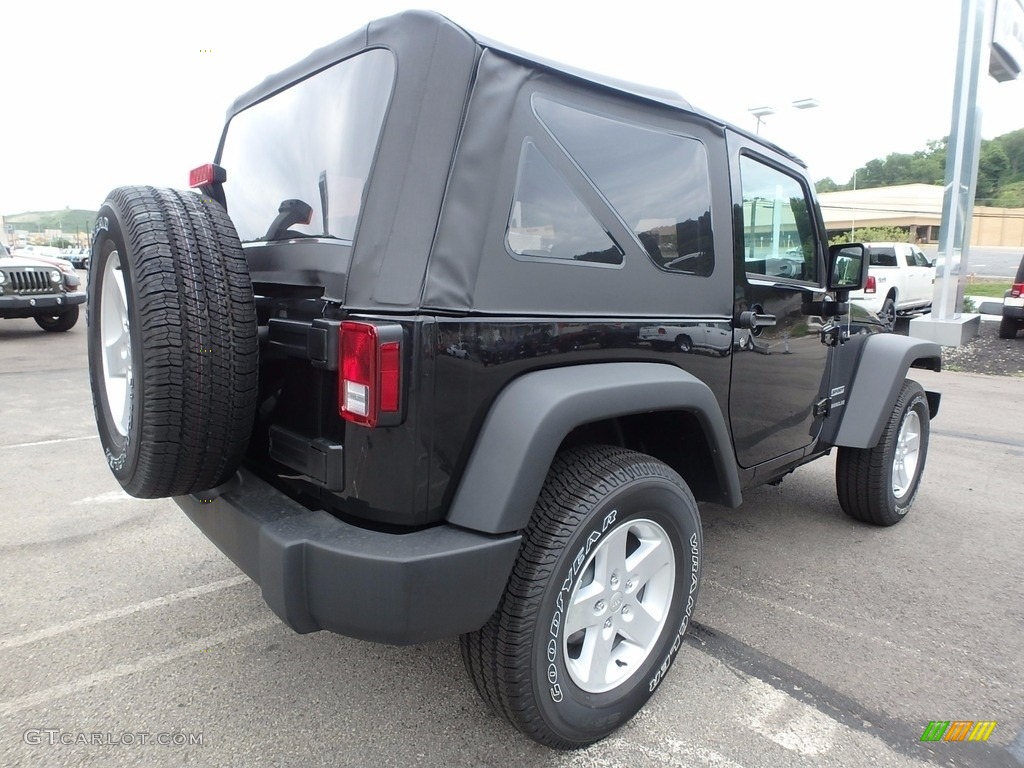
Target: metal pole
column 962, row 159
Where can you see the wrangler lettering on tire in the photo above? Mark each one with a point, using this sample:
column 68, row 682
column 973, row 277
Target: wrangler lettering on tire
column 599, row 599
column 172, row 341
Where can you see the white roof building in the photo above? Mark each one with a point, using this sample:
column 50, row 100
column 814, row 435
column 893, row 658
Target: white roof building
column 917, row 207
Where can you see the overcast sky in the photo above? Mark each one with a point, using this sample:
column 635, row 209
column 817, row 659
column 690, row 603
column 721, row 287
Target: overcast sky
column 97, row 95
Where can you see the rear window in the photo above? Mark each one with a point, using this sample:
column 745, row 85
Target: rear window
column 882, row 257
column 308, row 149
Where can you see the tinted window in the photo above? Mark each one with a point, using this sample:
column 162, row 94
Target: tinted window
column 549, row 221
column 778, row 239
column 657, row 182
column 882, row 257
column 313, row 142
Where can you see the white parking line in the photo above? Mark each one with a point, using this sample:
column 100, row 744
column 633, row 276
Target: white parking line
column 790, row 724
column 612, row 753
column 50, row 442
column 123, row 670
column 105, row 498
column 116, row 613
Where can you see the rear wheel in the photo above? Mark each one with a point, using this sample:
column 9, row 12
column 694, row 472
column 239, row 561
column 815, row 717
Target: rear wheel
column 172, row 341
column 58, row 322
column 1007, row 328
column 878, row 485
column 598, row 601
column 684, row 343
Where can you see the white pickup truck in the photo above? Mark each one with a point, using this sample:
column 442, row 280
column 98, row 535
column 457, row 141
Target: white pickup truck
column 900, row 279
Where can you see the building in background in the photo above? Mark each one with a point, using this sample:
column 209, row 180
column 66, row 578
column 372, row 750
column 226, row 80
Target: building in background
column 917, row 208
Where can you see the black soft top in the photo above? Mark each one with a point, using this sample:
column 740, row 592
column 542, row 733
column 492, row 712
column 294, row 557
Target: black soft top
column 390, row 32
column 455, row 97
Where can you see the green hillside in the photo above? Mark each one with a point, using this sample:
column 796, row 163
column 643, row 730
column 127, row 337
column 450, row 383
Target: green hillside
column 1000, row 170
column 70, row 220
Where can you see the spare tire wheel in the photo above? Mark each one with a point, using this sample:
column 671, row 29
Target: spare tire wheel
column 172, row 341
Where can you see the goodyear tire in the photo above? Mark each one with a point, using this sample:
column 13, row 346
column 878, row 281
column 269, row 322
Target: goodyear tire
column 878, row 485
column 598, row 602
column 172, row 341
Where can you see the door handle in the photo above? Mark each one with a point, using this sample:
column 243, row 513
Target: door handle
column 756, row 320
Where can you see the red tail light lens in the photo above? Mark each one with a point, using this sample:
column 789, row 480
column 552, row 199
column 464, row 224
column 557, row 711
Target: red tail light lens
column 390, row 376
column 1017, row 290
column 204, row 175
column 370, row 374
column 870, row 286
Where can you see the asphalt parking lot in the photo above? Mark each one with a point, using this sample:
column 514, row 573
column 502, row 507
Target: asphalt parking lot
column 126, row 638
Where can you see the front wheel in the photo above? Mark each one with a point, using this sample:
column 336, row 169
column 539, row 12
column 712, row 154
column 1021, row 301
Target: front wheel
column 598, row 602
column 878, row 485
column 58, row 322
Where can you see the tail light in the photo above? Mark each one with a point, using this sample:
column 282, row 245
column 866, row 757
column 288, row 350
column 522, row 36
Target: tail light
column 370, row 374
column 1017, row 290
column 205, row 175
column 662, row 331
column 870, row 285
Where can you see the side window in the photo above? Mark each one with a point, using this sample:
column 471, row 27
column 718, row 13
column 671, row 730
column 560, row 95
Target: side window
column 908, row 256
column 657, row 182
column 778, row 237
column 548, row 221
column 920, row 259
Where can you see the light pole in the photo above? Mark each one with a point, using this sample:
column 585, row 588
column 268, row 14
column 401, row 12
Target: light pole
column 853, row 211
column 759, row 112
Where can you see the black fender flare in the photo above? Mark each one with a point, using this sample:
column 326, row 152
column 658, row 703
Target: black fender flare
column 871, row 392
column 531, row 417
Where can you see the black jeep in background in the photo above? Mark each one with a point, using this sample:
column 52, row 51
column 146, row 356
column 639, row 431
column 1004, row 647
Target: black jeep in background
column 452, row 340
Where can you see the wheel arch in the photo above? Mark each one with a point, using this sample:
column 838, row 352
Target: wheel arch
column 540, row 412
column 875, row 382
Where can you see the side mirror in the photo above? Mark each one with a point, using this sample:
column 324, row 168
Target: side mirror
column 847, row 269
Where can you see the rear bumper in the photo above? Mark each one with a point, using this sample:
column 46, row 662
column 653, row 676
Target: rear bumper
column 1012, row 310
column 317, row 572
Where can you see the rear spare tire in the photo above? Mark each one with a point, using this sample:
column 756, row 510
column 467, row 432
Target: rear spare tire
column 172, row 341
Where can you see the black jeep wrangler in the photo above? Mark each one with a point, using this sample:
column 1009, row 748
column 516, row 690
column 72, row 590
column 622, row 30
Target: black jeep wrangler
column 452, row 340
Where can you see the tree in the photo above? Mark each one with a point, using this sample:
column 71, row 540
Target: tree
column 873, row 235
column 993, row 164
